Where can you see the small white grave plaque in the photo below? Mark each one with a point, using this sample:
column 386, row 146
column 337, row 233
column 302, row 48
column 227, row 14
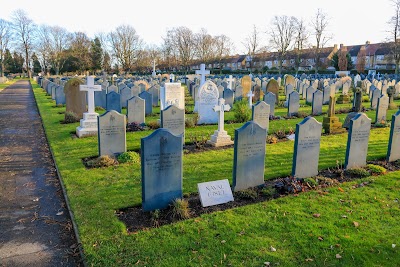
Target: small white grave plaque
column 215, row 192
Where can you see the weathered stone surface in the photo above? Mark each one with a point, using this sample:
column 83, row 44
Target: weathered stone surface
column 75, row 99
column 111, row 133
column 161, row 164
column 260, row 114
column 249, row 156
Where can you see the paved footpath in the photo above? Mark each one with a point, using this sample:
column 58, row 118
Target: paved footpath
column 35, row 227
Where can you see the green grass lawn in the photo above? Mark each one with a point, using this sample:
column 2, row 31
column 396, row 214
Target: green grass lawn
column 237, row 237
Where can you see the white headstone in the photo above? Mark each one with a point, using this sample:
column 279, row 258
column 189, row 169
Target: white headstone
column 215, row 192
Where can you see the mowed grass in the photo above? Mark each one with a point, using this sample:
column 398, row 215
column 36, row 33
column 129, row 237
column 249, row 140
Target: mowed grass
column 237, row 237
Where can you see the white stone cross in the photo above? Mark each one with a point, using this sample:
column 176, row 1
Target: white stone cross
column 230, row 80
column 250, row 96
column 203, row 73
column 221, row 108
column 90, row 88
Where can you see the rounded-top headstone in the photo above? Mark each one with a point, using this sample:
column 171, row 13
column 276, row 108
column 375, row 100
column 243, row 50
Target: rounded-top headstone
column 75, row 99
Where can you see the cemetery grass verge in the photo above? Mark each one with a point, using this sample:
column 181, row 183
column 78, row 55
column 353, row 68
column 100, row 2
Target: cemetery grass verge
column 358, row 224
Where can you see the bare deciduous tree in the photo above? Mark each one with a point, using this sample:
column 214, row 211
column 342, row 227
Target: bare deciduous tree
column 5, row 41
column 126, row 45
column 79, row 49
column 252, row 43
column 361, row 61
column 301, row 37
column 223, row 46
column 394, row 31
column 25, row 30
column 205, row 46
column 320, row 25
column 43, row 47
column 282, row 34
column 183, row 41
column 60, row 41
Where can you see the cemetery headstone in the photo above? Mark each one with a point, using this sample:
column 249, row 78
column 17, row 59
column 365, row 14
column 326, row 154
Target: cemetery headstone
column 293, row 104
column 260, row 114
column 317, row 103
column 148, row 102
column 113, row 101
column 208, row 99
column 173, row 119
column 111, row 133
column 306, row 148
column 60, row 96
column 393, row 152
column 273, row 87
column 228, row 96
column 246, row 85
column 161, row 165
column 172, row 94
column 357, row 141
column 249, row 156
column 136, row 110
column 75, row 100
column 381, row 110
column 270, row 99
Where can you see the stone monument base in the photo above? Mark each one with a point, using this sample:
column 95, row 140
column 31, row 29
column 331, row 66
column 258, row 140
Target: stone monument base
column 332, row 125
column 88, row 125
column 220, row 138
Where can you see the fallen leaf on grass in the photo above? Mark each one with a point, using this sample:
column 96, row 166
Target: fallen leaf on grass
column 309, row 260
column 356, row 224
column 393, row 245
column 320, row 238
column 338, row 256
column 272, row 249
column 317, row 215
column 344, row 216
column 223, row 241
column 340, row 189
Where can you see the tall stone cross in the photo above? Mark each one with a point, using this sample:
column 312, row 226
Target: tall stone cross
column 221, row 108
column 90, row 88
column 203, row 73
column 250, row 96
column 230, row 80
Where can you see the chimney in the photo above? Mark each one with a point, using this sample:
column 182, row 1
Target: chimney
column 367, row 42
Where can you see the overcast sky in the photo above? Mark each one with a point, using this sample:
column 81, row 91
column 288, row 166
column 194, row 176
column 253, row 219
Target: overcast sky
column 351, row 22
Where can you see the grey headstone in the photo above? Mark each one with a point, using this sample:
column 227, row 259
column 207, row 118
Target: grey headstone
column 173, row 119
column 260, row 114
column 381, row 109
column 100, row 98
column 376, row 94
column 148, row 102
column 113, row 101
column 249, row 156
column 126, row 94
column 111, row 133
column 60, row 96
column 393, row 152
column 306, row 148
column 135, row 91
column 288, row 89
column 309, row 94
column 357, row 141
column 161, row 161
column 317, row 102
column 135, row 110
column 293, row 103
column 326, row 95
column 155, row 91
column 228, row 96
column 238, row 93
column 270, row 99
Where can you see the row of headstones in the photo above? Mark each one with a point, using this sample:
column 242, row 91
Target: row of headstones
column 161, row 157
